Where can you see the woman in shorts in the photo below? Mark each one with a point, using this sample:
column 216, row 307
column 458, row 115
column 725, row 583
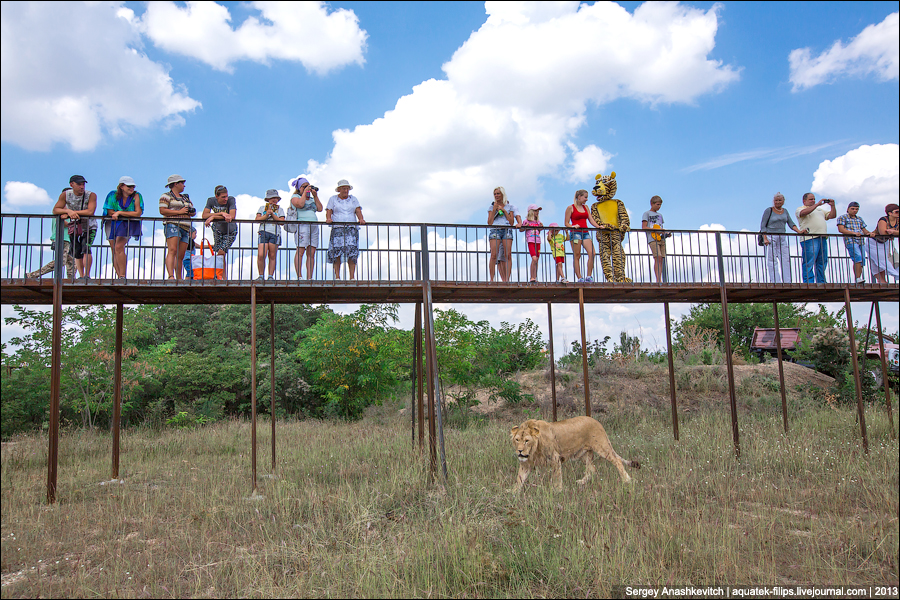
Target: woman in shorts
column 122, row 210
column 178, row 209
column 503, row 213
column 305, row 204
column 578, row 216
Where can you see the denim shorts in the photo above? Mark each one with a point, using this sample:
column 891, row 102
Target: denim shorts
column 269, row 238
column 173, row 230
column 857, row 253
column 578, row 236
column 501, row 234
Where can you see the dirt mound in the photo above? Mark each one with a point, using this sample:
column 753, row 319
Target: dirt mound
column 647, row 386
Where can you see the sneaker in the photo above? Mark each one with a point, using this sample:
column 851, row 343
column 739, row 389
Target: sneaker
column 80, row 280
column 563, row 280
column 861, row 279
column 580, row 280
column 271, row 278
column 260, row 278
column 589, row 280
column 122, row 280
column 87, row 278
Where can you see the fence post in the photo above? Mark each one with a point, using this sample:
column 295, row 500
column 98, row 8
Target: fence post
column 436, row 426
column 728, row 362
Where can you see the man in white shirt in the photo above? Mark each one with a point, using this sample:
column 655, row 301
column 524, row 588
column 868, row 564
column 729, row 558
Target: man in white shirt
column 812, row 216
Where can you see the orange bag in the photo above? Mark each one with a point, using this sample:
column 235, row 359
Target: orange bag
column 208, row 267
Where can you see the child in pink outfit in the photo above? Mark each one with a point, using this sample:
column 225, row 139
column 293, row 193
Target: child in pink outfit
column 533, row 238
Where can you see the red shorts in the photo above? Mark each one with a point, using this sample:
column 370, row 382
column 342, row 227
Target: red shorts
column 559, row 259
column 534, row 249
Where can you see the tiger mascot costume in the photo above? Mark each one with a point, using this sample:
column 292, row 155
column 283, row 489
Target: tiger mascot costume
column 609, row 212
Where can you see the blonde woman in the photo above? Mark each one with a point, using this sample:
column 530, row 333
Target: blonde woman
column 578, row 216
column 502, row 213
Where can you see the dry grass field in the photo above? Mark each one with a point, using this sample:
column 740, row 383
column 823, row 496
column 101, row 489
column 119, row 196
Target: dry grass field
column 350, row 510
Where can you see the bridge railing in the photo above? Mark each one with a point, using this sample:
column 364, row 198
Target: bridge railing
column 393, row 252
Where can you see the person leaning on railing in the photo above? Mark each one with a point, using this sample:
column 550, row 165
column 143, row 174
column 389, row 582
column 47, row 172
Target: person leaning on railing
column 67, row 255
column 778, row 250
column 882, row 251
column 177, row 209
column 813, row 217
column 344, row 212
column 122, row 209
column 852, row 226
column 219, row 215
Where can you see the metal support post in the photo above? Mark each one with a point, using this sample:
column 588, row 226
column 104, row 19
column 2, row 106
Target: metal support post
column 729, row 364
column 584, row 360
column 55, row 367
column 117, row 393
column 851, row 328
column 671, row 373
column 552, row 361
column 884, row 371
column 780, row 368
column 253, row 383
column 272, row 371
column 436, row 427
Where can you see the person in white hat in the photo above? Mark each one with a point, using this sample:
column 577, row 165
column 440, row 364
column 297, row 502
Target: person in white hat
column 122, row 209
column 342, row 210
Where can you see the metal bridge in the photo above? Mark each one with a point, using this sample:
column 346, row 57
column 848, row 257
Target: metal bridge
column 422, row 264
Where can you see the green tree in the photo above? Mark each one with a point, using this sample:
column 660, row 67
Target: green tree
column 743, row 318
column 354, row 360
column 87, row 361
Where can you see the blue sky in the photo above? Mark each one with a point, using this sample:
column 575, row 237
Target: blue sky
column 425, row 107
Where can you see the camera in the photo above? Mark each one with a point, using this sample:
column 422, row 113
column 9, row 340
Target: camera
column 191, row 211
column 313, row 188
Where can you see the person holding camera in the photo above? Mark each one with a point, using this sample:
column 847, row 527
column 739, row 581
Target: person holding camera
column 305, row 204
column 812, row 217
column 177, row 209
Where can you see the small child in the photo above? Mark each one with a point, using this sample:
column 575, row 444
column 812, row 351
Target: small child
column 653, row 219
column 269, row 233
column 533, row 238
column 192, row 245
column 557, row 240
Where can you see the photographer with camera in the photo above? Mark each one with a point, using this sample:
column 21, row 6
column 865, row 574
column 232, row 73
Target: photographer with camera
column 305, row 204
column 812, row 217
column 177, row 209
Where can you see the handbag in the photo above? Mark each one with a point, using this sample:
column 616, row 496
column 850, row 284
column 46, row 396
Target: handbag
column 291, row 215
column 761, row 238
column 75, row 228
column 208, row 267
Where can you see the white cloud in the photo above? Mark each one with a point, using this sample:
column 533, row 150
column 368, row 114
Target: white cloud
column 73, row 73
column 770, row 154
column 25, row 196
column 588, row 162
column 876, row 50
column 869, row 175
column 305, row 32
column 515, row 94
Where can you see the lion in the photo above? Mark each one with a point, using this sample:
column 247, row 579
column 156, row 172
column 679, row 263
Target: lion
column 538, row 442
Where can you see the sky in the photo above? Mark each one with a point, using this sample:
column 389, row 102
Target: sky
column 426, row 107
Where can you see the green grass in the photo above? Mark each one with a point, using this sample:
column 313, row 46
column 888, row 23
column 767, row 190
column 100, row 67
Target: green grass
column 352, row 511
